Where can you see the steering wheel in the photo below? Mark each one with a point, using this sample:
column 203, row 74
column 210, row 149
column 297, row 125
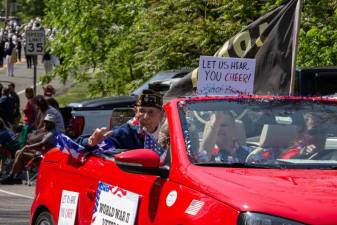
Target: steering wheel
column 327, row 154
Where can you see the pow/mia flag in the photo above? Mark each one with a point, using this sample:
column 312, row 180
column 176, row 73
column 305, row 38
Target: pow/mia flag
column 272, row 41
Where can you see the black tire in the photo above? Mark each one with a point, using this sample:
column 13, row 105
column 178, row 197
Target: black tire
column 44, row 218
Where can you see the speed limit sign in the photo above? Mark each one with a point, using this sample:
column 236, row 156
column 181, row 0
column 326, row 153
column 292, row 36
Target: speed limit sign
column 35, row 42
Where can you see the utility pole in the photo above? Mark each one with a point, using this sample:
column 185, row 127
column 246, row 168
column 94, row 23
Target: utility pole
column 7, row 8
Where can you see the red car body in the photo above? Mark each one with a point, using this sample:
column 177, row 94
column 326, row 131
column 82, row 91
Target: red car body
column 306, row 196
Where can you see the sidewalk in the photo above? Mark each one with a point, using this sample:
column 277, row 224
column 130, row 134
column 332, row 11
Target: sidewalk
column 23, row 78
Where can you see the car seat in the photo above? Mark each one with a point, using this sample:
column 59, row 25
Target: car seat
column 240, row 132
column 275, row 137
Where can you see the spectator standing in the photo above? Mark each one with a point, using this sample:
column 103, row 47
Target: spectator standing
column 29, row 58
column 30, row 109
column 16, row 104
column 2, row 51
column 10, row 57
column 19, row 48
column 6, row 107
column 47, row 62
column 48, row 93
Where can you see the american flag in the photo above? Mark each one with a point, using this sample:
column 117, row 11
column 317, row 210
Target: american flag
column 151, row 143
column 77, row 151
column 101, row 187
column 64, row 143
column 194, row 207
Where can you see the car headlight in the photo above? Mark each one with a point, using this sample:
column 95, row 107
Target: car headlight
column 249, row 218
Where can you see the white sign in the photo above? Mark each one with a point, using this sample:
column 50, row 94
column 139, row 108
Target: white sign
column 225, row 76
column 68, row 208
column 114, row 205
column 35, row 40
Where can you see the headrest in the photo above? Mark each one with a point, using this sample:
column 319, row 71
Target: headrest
column 240, row 132
column 277, row 136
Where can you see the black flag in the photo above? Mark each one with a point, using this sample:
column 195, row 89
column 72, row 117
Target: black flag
column 272, row 41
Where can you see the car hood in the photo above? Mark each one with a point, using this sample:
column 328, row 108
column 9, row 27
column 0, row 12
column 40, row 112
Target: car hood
column 309, row 196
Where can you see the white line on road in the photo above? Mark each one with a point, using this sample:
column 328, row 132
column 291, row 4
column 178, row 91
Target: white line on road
column 23, row 91
column 16, row 194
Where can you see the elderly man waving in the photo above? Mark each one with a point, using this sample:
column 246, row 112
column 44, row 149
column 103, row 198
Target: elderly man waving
column 137, row 132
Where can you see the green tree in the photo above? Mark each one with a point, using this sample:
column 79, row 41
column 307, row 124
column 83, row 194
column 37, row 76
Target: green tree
column 28, row 9
column 122, row 43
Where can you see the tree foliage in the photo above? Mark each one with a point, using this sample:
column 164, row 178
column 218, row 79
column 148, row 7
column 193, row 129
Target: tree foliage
column 116, row 44
column 27, row 9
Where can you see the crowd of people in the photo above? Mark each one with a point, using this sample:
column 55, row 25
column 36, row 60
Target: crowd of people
column 13, row 44
column 19, row 139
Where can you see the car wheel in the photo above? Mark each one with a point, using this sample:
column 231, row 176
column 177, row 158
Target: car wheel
column 44, row 218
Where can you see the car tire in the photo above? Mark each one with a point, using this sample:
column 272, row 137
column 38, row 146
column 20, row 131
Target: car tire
column 44, row 218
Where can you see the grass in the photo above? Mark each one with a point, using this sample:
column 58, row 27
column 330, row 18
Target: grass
column 74, row 94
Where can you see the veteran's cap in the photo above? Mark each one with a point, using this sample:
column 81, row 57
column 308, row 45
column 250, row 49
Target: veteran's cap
column 150, row 98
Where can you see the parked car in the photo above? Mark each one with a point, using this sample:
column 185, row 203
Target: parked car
column 316, row 81
column 195, row 186
column 90, row 114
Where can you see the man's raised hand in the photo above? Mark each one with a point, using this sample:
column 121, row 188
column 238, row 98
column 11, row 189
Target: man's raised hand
column 98, row 136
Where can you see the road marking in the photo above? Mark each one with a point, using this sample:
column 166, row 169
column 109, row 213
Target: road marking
column 23, row 91
column 16, row 194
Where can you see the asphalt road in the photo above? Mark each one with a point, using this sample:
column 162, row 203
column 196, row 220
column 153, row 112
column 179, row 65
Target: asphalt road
column 15, row 202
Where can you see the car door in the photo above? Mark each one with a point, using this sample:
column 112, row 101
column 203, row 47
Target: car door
column 82, row 178
column 145, row 186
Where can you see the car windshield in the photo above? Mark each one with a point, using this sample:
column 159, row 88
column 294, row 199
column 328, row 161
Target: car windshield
column 266, row 133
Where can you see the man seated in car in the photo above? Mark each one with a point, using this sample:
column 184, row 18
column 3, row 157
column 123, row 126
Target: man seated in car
column 307, row 144
column 220, row 143
column 137, row 133
column 310, row 139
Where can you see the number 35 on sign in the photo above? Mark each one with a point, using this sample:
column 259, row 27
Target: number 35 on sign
column 35, row 40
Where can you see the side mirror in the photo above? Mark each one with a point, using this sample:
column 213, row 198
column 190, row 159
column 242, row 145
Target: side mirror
column 141, row 161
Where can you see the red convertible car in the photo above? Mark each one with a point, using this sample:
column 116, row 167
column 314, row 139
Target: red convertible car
column 243, row 160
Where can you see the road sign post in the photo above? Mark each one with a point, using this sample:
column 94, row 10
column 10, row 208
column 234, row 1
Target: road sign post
column 35, row 42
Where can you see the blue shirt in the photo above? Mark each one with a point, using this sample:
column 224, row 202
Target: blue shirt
column 8, row 140
column 7, row 108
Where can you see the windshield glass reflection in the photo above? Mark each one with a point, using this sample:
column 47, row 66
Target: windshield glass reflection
column 261, row 133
